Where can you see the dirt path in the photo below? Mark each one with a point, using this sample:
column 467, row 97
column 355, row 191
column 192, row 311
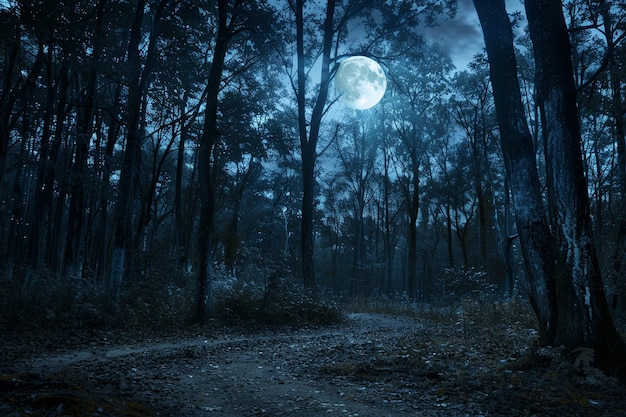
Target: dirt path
column 370, row 365
column 238, row 375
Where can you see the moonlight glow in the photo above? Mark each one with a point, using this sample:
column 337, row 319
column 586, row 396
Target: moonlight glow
column 361, row 81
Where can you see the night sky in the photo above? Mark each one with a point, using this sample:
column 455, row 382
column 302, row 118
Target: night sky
column 462, row 37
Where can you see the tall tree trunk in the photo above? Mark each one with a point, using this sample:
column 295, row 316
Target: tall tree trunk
column 12, row 93
column 413, row 205
column 232, row 240
column 584, row 316
column 207, row 142
column 50, row 146
column 74, row 248
column 508, row 238
column 521, row 170
column 138, row 81
column 122, row 226
column 491, row 256
column 387, row 219
column 101, row 250
column 618, row 112
column 181, row 241
column 7, row 95
column 145, row 217
column 309, row 137
column 15, row 247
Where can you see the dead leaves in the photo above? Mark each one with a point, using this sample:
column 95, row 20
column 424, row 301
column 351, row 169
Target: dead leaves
column 34, row 395
column 371, row 365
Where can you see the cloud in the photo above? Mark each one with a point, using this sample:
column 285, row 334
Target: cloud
column 462, row 36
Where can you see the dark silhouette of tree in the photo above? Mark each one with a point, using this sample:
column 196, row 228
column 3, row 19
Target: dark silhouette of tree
column 357, row 155
column 598, row 52
column 326, row 45
column 234, row 20
column 76, row 233
column 472, row 109
column 417, row 90
column 308, row 129
column 569, row 297
column 583, row 315
column 139, row 75
column 519, row 157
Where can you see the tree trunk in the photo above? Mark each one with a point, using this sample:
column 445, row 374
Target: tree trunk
column 101, row 251
column 413, row 204
column 308, row 139
column 232, row 239
column 507, row 239
column 7, row 95
column 74, row 248
column 138, row 81
column 618, row 113
column 161, row 153
column 207, row 142
column 521, row 169
column 308, row 243
column 387, row 219
column 15, row 249
column 122, row 226
column 584, row 316
column 47, row 172
column 449, row 236
column 181, row 240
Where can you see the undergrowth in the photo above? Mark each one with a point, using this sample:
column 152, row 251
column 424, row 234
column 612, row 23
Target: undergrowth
column 465, row 310
column 276, row 301
column 163, row 299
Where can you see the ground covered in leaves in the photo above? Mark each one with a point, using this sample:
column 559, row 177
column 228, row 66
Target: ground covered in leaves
column 451, row 362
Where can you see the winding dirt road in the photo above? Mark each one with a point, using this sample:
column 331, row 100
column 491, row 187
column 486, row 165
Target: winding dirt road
column 369, row 366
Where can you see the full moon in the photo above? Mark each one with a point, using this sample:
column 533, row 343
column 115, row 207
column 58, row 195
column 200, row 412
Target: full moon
column 361, row 81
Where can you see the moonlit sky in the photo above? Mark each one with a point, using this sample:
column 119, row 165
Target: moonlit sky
column 462, row 37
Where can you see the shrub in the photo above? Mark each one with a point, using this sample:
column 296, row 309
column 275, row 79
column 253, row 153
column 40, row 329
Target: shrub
column 275, row 301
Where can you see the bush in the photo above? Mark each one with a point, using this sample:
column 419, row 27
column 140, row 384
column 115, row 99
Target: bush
column 157, row 301
column 160, row 297
column 461, row 284
column 49, row 301
column 272, row 302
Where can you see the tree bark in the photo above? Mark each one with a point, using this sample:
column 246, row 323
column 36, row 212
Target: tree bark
column 179, row 220
column 138, row 81
column 74, row 248
column 413, row 206
column 584, row 316
column 519, row 157
column 618, row 113
column 207, row 142
column 122, row 227
column 51, row 140
column 7, row 95
column 387, row 219
column 308, row 139
column 232, row 239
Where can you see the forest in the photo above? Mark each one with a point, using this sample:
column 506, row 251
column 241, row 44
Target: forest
column 166, row 163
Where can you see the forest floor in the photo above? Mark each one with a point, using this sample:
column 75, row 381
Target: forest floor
column 441, row 364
